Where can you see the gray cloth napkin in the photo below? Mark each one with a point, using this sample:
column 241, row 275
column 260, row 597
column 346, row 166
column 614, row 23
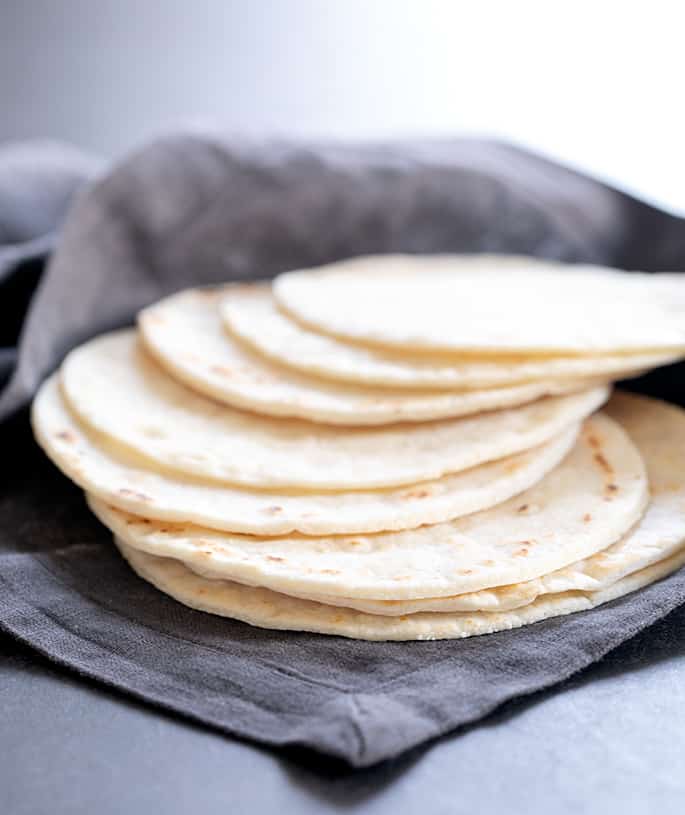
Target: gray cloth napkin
column 201, row 209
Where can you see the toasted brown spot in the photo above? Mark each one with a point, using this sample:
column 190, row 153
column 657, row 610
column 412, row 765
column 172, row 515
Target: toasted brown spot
column 402, row 577
column 330, row 571
column 207, row 553
column 521, row 553
column 417, row 494
column 487, row 563
column 594, row 442
column 603, row 463
column 522, row 508
column 139, row 496
column 587, row 517
column 275, row 559
column 512, row 466
column 207, row 293
column 65, row 435
column 610, row 491
column 464, row 571
column 273, row 510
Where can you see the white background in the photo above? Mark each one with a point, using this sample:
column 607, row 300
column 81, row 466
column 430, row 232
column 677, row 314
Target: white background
column 600, row 85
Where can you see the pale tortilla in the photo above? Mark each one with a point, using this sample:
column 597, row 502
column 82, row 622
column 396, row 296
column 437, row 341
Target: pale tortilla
column 268, row 609
column 184, row 334
column 125, row 481
column 580, row 508
column 116, row 389
column 658, row 430
column 482, row 304
column 251, row 315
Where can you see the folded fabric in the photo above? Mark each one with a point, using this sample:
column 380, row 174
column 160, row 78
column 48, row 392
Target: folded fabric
column 202, row 209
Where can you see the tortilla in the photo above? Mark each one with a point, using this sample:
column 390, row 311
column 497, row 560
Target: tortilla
column 580, row 508
column 481, row 304
column 251, row 315
column 185, row 336
column 658, row 429
column 116, row 389
column 268, row 609
column 126, row 482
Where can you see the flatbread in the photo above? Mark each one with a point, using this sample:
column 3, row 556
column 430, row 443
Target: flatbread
column 251, row 315
column 587, row 503
column 184, row 334
column 658, row 430
column 268, row 609
column 117, row 390
column 126, row 482
column 481, row 304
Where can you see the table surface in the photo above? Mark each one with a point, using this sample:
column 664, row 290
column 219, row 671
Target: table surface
column 610, row 740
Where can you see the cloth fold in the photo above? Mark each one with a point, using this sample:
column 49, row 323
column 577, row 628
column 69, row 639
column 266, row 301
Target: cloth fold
column 193, row 209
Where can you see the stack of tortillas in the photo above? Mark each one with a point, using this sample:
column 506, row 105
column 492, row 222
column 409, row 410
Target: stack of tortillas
column 391, row 448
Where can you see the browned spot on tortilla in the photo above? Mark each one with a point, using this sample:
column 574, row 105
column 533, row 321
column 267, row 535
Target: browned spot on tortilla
column 140, row 496
column 487, row 563
column 421, row 493
column 402, row 577
column 464, row 571
column 603, row 463
column 594, row 442
column 208, row 293
column 273, row 510
column 587, row 518
column 522, row 508
column 330, row 571
column 610, row 491
column 65, row 435
column 521, row 553
column 512, row 466
column 275, row 559
column 207, row 553
column 222, row 370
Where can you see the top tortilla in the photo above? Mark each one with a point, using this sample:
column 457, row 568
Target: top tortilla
column 481, row 304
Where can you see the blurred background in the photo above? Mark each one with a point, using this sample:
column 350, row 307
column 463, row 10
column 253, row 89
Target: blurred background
column 598, row 85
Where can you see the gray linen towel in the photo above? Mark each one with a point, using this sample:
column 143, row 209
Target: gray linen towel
column 202, row 209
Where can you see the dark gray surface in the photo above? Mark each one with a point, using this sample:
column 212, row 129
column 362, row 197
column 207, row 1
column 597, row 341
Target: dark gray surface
column 609, row 741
